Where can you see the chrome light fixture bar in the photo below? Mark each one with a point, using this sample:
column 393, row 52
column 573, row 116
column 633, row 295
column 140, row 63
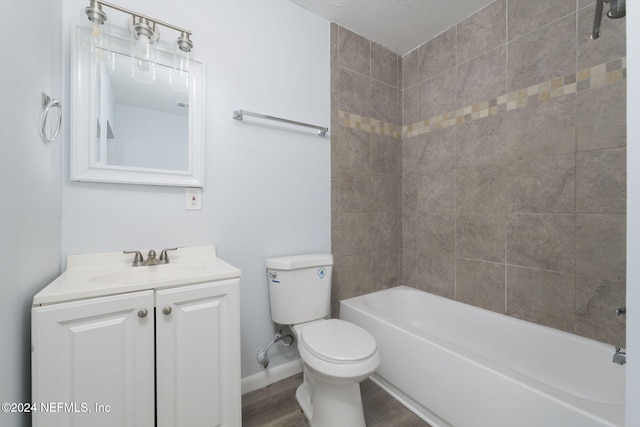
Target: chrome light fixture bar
column 144, row 34
column 98, row 14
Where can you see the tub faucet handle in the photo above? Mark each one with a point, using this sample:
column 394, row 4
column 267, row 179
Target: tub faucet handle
column 621, row 311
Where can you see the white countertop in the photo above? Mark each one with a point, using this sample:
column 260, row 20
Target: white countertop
column 88, row 276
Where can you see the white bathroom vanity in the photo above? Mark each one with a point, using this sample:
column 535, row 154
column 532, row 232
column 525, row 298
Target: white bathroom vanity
column 138, row 346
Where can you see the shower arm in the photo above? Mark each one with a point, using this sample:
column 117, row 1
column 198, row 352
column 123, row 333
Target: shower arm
column 598, row 19
column 616, row 11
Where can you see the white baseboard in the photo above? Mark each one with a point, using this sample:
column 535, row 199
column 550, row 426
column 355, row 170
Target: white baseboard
column 271, row 375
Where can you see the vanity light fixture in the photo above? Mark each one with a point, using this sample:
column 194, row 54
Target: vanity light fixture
column 180, row 71
column 144, row 35
column 96, row 34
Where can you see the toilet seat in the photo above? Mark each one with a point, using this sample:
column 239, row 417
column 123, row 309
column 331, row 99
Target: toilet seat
column 337, row 341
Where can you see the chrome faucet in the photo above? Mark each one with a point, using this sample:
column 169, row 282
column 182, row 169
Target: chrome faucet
column 620, row 357
column 138, row 260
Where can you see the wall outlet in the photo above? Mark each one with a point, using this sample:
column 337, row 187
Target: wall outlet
column 194, row 199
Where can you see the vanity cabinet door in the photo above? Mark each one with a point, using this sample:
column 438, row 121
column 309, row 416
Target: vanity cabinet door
column 198, row 355
column 92, row 362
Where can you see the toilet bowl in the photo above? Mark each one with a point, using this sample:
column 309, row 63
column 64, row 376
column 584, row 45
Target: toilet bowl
column 336, row 356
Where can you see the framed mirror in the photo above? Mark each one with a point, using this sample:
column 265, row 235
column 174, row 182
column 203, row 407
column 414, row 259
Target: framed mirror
column 132, row 132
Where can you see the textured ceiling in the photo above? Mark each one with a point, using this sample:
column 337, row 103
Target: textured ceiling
column 399, row 25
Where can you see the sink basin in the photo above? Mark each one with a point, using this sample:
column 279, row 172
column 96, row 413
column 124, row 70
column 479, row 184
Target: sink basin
column 148, row 273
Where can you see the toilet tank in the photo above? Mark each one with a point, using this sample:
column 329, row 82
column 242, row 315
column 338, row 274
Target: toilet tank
column 299, row 287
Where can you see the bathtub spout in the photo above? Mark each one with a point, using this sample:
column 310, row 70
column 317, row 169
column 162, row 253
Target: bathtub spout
column 620, row 357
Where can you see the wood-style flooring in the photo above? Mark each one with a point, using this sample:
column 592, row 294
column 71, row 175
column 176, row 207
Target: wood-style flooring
column 276, row 406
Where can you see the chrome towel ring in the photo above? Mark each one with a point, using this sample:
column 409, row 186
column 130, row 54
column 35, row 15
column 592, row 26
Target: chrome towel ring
column 47, row 104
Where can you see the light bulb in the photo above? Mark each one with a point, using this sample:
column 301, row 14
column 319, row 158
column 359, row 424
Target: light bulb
column 143, row 51
column 143, row 55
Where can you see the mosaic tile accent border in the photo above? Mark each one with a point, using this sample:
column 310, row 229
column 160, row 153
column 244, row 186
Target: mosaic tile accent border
column 368, row 124
column 588, row 78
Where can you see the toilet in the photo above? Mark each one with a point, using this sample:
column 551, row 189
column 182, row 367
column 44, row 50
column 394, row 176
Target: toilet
column 336, row 355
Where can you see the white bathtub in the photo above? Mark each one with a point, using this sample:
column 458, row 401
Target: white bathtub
column 458, row 365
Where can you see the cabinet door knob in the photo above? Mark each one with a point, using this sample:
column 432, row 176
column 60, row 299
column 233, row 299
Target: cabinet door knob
column 143, row 313
column 166, row 310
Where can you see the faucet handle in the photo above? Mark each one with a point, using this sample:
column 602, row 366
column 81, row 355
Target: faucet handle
column 164, row 256
column 137, row 260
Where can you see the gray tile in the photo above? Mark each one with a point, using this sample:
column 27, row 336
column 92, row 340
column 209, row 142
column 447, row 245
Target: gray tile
column 543, row 54
column 437, row 55
column 385, row 269
column 543, row 297
column 526, row 15
column 437, row 95
column 600, row 246
column 481, row 236
column 601, row 117
column 482, row 31
column 481, row 284
column 546, row 241
column 386, row 153
column 353, row 275
column 356, row 192
column 585, row 3
column 353, row 149
column 410, row 163
column 481, row 189
column 436, row 191
column 335, row 201
column 410, row 223
column 355, row 93
column 410, row 106
column 481, row 142
column 609, row 46
column 542, row 185
column 386, row 192
column 353, row 235
column 482, row 78
column 433, row 151
column 384, row 231
column 544, row 129
column 436, row 233
column 409, row 267
column 354, row 51
column 410, row 69
column 384, row 103
column 596, row 304
column 410, row 184
column 601, row 181
column 435, row 273
column 384, row 65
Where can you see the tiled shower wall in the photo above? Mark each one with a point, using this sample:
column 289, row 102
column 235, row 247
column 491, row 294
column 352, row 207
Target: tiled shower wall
column 366, row 162
column 512, row 172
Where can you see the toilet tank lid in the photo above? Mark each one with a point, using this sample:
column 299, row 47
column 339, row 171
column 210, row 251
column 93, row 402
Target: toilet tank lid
column 294, row 262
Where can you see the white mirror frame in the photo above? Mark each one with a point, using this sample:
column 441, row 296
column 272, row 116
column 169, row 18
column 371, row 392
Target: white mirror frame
column 84, row 152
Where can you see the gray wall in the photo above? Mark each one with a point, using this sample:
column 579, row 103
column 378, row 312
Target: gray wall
column 31, row 185
column 513, row 166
